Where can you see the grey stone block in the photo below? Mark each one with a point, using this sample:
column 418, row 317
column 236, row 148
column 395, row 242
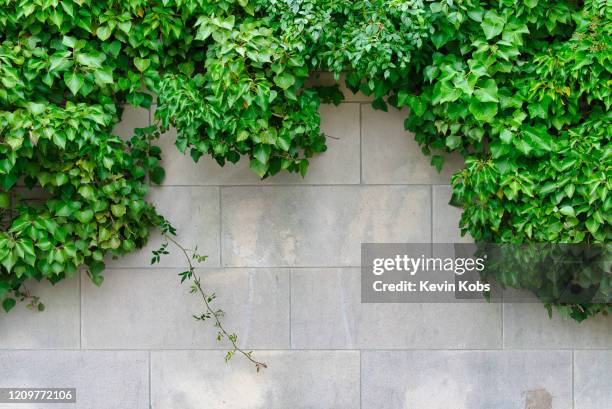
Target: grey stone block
column 326, row 312
column 340, row 164
column 390, row 155
column 527, row 325
column 318, row 225
column 466, row 379
column 133, row 117
column 446, row 218
column 592, row 379
column 150, row 309
column 56, row 327
column 294, row 379
column 103, row 379
column 194, row 212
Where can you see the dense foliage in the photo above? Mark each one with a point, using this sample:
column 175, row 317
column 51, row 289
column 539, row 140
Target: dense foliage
column 65, row 71
column 243, row 97
column 520, row 88
column 247, row 96
column 524, row 91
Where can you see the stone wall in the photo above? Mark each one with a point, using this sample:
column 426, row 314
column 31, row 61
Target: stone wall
column 284, row 262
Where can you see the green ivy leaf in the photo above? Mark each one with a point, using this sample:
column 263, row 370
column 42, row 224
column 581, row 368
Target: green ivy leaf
column 59, row 139
column 85, row 216
column 88, row 192
column 444, row 92
column 125, row 26
column 453, row 141
column 242, row 136
column 538, row 138
column 56, row 17
column 96, row 267
column 91, row 59
column 567, row 211
column 9, row 260
column 74, row 81
column 104, row 76
column 205, row 29
column 113, row 48
column 492, row 24
column 284, row 80
column 506, row 136
column 592, row 225
column 437, row 161
column 157, row 175
column 259, row 168
column 69, row 41
column 483, row 111
column 488, row 92
column 61, row 179
column 416, row 104
column 8, row 304
column 303, row 167
column 142, row 63
column 262, row 153
column 98, row 280
column 36, row 108
column 103, row 32
column 118, row 210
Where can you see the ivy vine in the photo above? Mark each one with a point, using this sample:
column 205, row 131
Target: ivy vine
column 520, row 88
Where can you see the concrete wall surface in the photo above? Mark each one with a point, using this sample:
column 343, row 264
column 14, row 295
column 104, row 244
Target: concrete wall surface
column 284, row 258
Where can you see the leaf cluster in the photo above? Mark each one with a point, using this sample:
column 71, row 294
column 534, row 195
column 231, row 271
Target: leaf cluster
column 66, row 71
column 522, row 89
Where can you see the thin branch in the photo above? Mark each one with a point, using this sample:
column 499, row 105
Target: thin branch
column 215, row 314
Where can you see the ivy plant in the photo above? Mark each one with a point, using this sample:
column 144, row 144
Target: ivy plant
column 60, row 97
column 243, row 99
column 246, row 95
column 521, row 89
column 67, row 70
